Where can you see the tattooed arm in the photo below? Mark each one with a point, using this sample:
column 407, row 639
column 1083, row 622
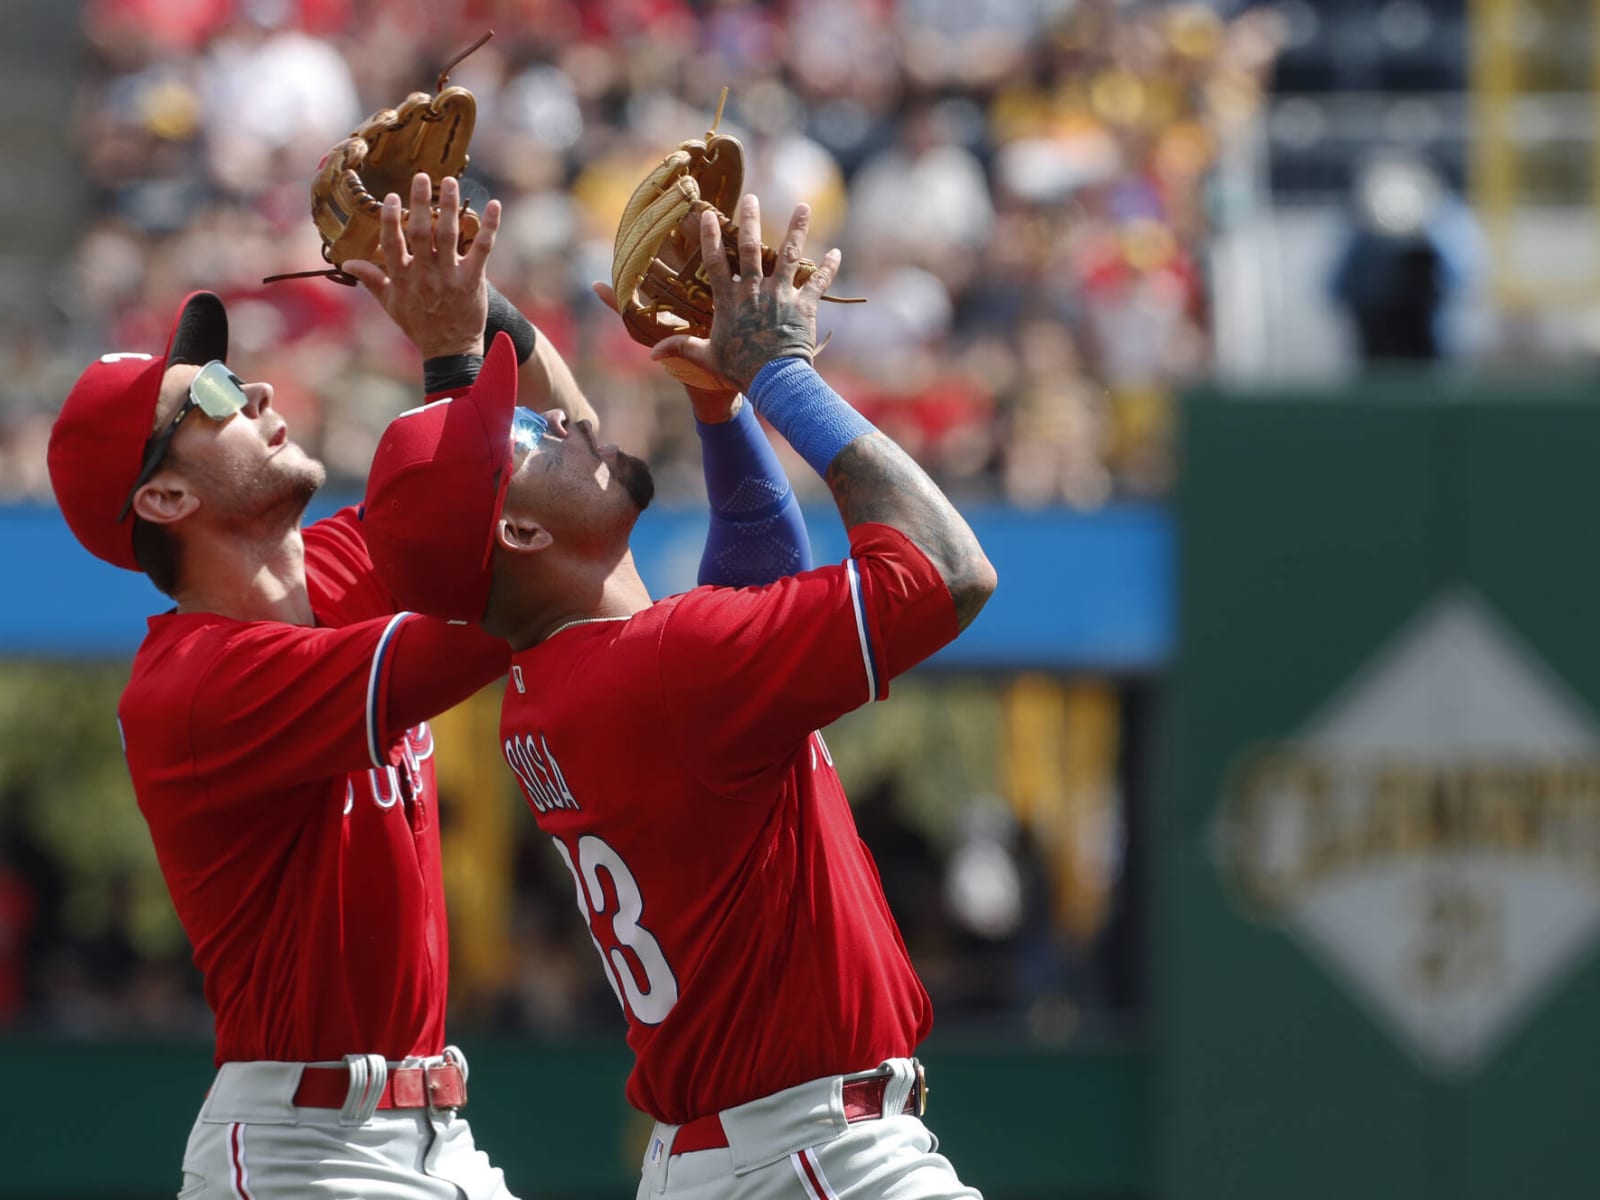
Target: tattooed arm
column 872, row 479
column 762, row 338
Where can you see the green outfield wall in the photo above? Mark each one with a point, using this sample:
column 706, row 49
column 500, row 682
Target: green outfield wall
column 1377, row 863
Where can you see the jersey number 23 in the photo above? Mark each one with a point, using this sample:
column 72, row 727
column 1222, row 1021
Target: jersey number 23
column 616, row 932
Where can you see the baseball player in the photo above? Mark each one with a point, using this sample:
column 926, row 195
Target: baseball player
column 670, row 749
column 275, row 726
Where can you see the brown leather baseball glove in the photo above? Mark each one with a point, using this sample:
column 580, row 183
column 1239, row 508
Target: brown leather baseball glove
column 656, row 270
column 428, row 132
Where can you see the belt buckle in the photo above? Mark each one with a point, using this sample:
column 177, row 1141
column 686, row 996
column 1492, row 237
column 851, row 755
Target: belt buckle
column 435, row 1077
column 922, row 1088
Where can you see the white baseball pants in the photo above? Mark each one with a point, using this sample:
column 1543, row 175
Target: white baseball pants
column 251, row 1142
column 796, row 1145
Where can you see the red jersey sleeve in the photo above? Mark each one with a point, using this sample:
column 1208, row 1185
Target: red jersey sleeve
column 747, row 674
column 290, row 704
column 339, row 571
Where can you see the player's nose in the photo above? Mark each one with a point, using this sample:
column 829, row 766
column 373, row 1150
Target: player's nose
column 257, row 399
column 560, row 426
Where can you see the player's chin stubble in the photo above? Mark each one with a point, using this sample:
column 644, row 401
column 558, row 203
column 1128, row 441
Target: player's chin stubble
column 287, row 491
column 301, row 479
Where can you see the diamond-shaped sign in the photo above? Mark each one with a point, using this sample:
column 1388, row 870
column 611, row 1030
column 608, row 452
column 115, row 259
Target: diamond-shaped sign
column 1433, row 835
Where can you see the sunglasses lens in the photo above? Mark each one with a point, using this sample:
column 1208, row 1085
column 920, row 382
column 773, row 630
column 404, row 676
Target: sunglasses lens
column 217, row 391
column 527, row 428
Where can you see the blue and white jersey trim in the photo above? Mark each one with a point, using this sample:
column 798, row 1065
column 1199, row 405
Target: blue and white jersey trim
column 375, row 749
column 868, row 655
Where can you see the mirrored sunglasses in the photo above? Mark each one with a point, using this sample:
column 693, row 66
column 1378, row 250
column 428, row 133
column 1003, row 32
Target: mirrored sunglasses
column 527, row 429
column 215, row 391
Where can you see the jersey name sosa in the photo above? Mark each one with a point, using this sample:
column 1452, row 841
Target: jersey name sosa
column 536, row 768
column 387, row 786
column 636, row 968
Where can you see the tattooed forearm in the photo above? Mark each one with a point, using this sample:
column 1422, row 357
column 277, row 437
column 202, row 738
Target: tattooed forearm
column 872, row 479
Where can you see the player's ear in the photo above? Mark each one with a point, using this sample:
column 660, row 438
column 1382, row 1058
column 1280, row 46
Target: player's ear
column 521, row 535
column 165, row 499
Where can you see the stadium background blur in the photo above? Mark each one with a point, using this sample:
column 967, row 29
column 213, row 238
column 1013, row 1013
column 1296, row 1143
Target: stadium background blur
column 1077, row 222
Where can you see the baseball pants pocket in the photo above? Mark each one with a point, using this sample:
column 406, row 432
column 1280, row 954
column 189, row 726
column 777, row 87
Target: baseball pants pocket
column 455, row 1158
column 891, row 1159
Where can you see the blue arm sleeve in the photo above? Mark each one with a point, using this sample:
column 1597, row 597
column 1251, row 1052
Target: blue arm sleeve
column 758, row 534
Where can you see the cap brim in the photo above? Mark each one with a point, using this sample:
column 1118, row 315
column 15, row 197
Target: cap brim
column 200, row 334
column 494, row 398
column 438, row 480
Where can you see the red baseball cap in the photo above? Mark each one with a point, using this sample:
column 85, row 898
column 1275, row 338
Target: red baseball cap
column 437, row 484
column 97, row 442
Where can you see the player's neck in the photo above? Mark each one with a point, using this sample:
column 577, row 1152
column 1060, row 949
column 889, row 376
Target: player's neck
column 577, row 595
column 246, row 579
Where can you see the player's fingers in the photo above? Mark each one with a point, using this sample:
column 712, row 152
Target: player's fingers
column 822, row 278
column 391, row 239
column 750, row 240
column 419, row 223
column 682, row 345
column 607, row 294
column 476, row 259
column 447, row 229
column 370, row 275
column 793, row 247
column 715, row 259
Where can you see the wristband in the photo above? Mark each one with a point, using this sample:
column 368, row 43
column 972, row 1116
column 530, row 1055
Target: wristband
column 505, row 317
column 811, row 416
column 450, row 372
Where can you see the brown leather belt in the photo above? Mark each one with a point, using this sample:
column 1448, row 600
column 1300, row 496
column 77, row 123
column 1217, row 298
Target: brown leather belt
column 863, row 1101
column 439, row 1086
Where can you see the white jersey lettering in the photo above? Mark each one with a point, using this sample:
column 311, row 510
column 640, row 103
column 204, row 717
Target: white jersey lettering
column 401, row 781
column 540, row 775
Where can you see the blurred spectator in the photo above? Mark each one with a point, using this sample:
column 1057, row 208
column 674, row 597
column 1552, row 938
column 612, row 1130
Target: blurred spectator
column 967, row 44
column 923, row 200
column 997, row 892
column 1056, row 450
column 273, row 97
column 1412, row 250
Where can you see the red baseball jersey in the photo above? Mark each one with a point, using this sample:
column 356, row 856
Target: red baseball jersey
column 673, row 758
column 286, row 776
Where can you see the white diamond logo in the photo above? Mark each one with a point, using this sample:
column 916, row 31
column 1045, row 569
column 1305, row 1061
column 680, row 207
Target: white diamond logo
column 1432, row 837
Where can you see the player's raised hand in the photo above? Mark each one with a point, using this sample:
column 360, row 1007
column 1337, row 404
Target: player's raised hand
column 757, row 317
column 437, row 295
column 712, row 406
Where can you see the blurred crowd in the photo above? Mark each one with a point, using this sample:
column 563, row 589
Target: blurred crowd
column 1019, row 188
